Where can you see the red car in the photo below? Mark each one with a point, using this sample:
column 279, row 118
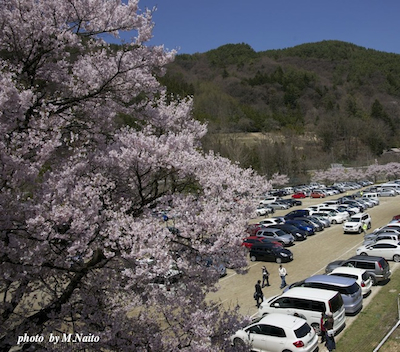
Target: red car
column 299, row 195
column 249, row 241
column 317, row 195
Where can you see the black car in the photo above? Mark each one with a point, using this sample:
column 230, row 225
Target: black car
column 292, row 202
column 297, row 214
column 270, row 252
column 299, row 235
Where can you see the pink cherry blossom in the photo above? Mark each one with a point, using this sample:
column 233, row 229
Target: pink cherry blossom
column 92, row 153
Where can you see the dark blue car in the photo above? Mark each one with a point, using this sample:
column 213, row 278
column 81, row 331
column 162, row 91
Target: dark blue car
column 310, row 230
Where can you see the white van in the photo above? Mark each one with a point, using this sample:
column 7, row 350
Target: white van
column 307, row 302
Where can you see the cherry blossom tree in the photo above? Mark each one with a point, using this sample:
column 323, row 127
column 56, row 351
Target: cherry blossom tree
column 92, row 152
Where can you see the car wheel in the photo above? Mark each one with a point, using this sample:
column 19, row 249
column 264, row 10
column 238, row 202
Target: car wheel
column 363, row 253
column 396, row 258
column 334, row 221
column 239, row 343
column 360, row 230
column 278, row 260
column 373, row 279
column 253, row 258
column 317, row 328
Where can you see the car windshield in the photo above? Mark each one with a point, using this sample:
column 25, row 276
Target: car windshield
column 350, row 289
column 383, row 263
column 302, row 331
column 336, row 303
column 354, row 219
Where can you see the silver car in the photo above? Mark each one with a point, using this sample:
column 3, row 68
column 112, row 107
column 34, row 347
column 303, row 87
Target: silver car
column 277, row 235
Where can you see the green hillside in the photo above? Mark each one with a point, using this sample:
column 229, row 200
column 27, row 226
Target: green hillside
column 306, row 106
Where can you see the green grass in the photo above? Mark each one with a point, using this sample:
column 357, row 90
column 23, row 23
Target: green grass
column 374, row 322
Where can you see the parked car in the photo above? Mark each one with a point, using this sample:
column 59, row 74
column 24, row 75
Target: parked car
column 317, row 195
column 381, row 236
column 361, row 276
column 315, row 223
column 277, row 333
column 392, row 226
column 356, row 222
column 263, row 210
column 386, row 192
column 268, row 200
column 307, row 302
column 347, row 287
column 271, row 221
column 321, row 217
column 299, row 235
column 276, row 235
column 278, row 205
column 298, row 213
column 270, row 252
column 248, row 242
column 333, row 219
column 378, row 267
column 337, row 216
column 299, row 195
column 390, row 250
column 351, row 209
column 310, row 230
column 292, row 202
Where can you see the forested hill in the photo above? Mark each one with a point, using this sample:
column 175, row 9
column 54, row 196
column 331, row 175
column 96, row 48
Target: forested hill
column 347, row 97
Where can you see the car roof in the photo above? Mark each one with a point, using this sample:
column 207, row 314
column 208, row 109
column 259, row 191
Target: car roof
column 283, row 320
column 327, row 279
column 348, row 270
column 313, row 293
column 364, row 258
column 386, row 242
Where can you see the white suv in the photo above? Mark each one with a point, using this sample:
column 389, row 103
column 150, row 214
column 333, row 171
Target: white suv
column 356, row 222
column 277, row 332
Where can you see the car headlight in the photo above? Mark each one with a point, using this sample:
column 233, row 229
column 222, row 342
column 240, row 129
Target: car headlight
column 284, row 255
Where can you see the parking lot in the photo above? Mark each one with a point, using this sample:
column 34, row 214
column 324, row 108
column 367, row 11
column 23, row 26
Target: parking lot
column 310, row 257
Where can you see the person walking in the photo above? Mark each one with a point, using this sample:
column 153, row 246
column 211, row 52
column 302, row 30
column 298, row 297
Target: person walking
column 329, row 335
column 322, row 326
column 364, row 228
column 282, row 274
column 258, row 295
column 265, row 276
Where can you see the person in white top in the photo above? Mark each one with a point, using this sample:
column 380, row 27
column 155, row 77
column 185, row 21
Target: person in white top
column 282, row 274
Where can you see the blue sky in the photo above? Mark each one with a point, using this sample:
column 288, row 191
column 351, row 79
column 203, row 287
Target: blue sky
column 192, row 26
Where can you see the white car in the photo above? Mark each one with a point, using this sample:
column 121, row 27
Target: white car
column 277, row 333
column 362, row 277
column 390, row 250
column 356, row 222
column 271, row 221
column 263, row 210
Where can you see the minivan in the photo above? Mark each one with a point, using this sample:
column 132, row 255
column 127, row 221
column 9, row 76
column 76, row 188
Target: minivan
column 307, row 302
column 347, row 287
column 377, row 267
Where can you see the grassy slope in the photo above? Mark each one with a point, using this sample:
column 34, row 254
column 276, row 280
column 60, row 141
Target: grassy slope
column 374, row 322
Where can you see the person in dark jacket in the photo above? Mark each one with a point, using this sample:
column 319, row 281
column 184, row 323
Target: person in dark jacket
column 258, row 295
column 265, row 276
column 322, row 325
